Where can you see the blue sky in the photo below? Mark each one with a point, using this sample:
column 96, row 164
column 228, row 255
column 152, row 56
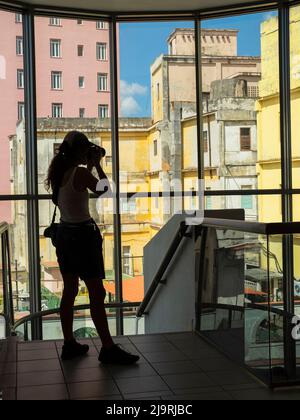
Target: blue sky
column 142, row 43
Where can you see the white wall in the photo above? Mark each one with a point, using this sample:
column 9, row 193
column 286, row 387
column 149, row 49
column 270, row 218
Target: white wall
column 173, row 307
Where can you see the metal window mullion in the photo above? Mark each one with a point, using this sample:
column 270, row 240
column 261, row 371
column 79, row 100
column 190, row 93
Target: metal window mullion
column 199, row 96
column 285, row 112
column 32, row 172
column 287, row 184
column 116, row 173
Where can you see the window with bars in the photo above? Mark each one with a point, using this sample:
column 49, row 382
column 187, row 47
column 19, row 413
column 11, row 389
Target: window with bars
column 245, row 137
column 19, row 18
column 19, row 45
column 253, row 91
column 103, row 111
column 57, row 110
column 101, row 51
column 55, row 22
column 56, row 80
column 102, row 82
column 101, row 25
column 55, row 48
column 20, row 79
column 81, row 112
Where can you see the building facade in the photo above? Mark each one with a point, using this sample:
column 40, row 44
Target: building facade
column 72, row 77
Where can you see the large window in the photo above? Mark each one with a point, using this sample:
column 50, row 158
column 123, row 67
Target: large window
column 158, row 130
column 239, row 80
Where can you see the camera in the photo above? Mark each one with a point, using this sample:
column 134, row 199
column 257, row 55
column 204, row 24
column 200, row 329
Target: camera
column 93, row 149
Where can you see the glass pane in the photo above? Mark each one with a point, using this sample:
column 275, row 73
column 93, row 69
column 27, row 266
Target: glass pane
column 69, row 97
column 19, row 259
column 267, row 206
column 12, row 111
column 295, row 88
column 52, row 281
column 157, row 136
column 240, row 78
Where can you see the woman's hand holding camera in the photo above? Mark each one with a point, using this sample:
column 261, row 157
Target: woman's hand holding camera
column 95, row 156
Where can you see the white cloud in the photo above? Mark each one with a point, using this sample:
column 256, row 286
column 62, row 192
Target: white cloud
column 129, row 106
column 129, row 102
column 132, row 89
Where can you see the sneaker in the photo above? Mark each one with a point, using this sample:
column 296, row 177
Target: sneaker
column 117, row 356
column 73, row 349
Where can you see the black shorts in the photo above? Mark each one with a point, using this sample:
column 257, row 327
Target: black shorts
column 79, row 250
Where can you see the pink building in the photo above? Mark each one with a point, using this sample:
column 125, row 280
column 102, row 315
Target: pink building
column 72, row 80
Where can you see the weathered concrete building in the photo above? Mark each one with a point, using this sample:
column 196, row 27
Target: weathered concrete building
column 230, row 146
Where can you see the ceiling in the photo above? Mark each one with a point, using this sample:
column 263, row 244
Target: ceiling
column 139, row 5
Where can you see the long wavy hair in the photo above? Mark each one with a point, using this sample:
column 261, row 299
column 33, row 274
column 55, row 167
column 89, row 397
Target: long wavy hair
column 71, row 153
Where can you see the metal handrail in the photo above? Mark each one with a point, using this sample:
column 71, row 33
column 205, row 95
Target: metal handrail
column 252, row 227
column 49, row 312
column 6, row 277
column 157, row 280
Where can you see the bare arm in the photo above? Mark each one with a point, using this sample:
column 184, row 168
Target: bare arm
column 88, row 180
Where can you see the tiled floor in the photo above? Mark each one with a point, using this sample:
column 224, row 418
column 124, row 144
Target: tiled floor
column 172, row 367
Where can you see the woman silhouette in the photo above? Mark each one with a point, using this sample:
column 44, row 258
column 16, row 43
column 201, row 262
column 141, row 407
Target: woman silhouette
column 79, row 242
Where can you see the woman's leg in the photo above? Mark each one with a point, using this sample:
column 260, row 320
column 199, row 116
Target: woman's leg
column 97, row 295
column 71, row 283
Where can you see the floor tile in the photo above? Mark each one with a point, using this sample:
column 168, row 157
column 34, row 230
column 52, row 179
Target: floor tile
column 9, row 381
column 134, row 371
column 218, row 396
column 37, row 355
column 165, row 356
column 144, row 384
column 9, row 394
column 36, row 345
column 168, row 368
column 154, row 338
column 39, row 366
column 81, row 363
column 188, row 380
column 203, row 390
column 86, row 375
column 180, row 336
column 148, row 395
column 46, row 378
column 154, row 347
column 93, row 389
column 9, row 368
column 42, row 393
column 214, row 364
column 231, row 377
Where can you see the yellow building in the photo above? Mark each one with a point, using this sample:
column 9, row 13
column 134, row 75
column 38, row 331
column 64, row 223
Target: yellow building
column 268, row 124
